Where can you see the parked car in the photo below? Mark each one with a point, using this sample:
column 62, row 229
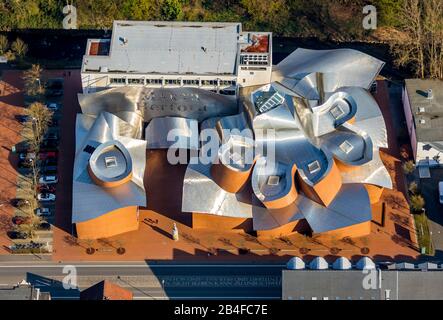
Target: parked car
column 50, row 161
column 43, row 212
column 22, row 118
column 20, row 203
column 25, row 163
column 53, row 106
column 54, row 87
column 48, row 179
column 18, row 220
column 53, row 123
column 49, row 188
column 46, row 197
column 17, row 235
column 49, row 145
column 48, row 154
column 50, row 170
column 440, row 191
column 52, row 136
column 45, row 226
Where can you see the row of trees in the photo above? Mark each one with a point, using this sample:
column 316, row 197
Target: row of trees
column 419, row 41
column 16, row 50
column 288, row 17
column 34, row 130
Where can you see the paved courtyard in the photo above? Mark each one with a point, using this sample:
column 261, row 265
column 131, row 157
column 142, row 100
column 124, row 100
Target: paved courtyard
column 11, row 105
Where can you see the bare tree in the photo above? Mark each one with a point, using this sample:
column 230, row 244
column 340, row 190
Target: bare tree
column 20, row 48
column 32, row 78
column 4, row 44
column 39, row 119
column 421, row 41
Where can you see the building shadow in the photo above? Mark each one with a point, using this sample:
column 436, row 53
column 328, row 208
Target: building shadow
column 54, row 287
column 204, row 282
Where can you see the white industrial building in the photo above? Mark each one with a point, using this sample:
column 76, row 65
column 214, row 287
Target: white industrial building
column 423, row 107
column 214, row 56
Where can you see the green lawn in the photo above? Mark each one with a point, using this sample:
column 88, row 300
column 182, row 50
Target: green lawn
column 424, row 236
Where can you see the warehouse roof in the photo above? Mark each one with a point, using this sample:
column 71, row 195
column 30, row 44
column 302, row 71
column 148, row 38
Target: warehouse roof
column 170, row 48
column 349, row 285
column 427, row 111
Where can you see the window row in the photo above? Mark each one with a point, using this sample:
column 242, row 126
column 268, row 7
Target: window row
column 186, row 82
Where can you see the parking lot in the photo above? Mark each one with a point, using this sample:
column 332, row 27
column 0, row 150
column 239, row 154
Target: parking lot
column 434, row 210
column 27, row 165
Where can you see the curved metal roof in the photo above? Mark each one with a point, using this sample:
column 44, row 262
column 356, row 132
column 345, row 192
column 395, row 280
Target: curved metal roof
column 96, row 139
column 340, row 68
column 304, row 115
column 133, row 104
column 166, row 132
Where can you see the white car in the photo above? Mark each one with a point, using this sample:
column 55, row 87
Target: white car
column 43, row 212
column 48, row 180
column 440, row 191
column 52, row 106
column 45, row 197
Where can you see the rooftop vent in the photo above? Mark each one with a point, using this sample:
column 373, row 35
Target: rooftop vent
column 422, row 121
column 429, row 94
column 273, row 180
column 123, row 40
column 421, row 109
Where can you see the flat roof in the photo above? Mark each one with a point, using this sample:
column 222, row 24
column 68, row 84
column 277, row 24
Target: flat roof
column 348, row 285
column 170, row 48
column 428, row 113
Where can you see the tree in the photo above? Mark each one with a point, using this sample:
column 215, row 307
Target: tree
column 32, row 79
column 4, row 44
column 39, row 117
column 20, row 48
column 409, row 167
column 30, row 227
column 171, row 9
column 421, row 42
column 413, row 187
column 417, row 203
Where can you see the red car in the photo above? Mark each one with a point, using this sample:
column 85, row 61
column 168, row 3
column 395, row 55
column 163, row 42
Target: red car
column 46, row 188
column 48, row 154
column 19, row 220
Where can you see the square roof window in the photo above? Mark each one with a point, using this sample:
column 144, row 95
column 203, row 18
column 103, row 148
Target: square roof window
column 314, row 167
column 346, row 147
column 336, row 112
column 273, row 180
column 110, row 162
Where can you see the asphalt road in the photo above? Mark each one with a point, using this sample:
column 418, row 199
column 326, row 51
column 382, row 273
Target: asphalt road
column 154, row 281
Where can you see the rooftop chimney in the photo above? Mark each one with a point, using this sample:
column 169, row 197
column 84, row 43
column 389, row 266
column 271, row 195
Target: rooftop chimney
column 429, row 94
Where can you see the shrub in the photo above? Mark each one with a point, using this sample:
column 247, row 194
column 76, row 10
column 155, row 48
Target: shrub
column 417, row 203
column 409, row 167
